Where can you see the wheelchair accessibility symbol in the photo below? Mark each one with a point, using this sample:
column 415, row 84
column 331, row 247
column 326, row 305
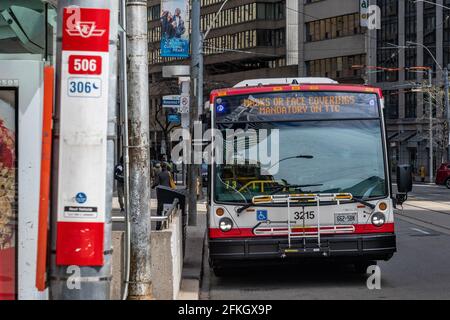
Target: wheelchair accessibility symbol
column 261, row 215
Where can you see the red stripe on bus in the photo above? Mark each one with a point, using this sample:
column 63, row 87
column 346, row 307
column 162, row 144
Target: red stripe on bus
column 248, row 232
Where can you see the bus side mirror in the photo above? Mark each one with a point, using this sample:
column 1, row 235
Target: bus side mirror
column 404, row 183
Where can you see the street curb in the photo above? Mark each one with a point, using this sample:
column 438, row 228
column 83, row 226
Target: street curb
column 190, row 287
column 205, row 284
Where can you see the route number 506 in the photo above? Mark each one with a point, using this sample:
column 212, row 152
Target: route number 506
column 89, row 65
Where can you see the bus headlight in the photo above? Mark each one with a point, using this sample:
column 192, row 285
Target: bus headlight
column 378, row 219
column 225, row 224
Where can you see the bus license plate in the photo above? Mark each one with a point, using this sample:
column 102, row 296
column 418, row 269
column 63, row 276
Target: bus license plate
column 345, row 218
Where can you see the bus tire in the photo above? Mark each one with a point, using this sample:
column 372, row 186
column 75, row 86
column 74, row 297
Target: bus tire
column 361, row 266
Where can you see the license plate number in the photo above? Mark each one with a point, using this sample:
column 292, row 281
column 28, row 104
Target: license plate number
column 345, row 218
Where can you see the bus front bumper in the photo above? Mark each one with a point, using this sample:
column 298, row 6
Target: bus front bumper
column 370, row 247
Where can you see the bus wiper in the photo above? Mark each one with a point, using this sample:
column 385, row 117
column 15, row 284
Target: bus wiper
column 364, row 202
column 296, row 186
column 278, row 189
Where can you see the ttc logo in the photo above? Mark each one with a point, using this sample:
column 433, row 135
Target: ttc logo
column 85, row 29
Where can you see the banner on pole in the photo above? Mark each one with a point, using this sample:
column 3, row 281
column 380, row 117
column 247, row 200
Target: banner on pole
column 175, row 28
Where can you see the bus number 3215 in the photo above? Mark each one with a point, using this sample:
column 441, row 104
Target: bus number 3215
column 304, row 215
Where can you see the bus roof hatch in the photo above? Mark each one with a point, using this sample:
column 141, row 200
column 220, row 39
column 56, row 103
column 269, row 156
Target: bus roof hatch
column 284, row 81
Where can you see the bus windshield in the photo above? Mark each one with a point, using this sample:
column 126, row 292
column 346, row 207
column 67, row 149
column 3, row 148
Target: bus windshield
column 314, row 156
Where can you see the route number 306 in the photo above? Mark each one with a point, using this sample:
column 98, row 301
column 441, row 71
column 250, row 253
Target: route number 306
column 84, row 87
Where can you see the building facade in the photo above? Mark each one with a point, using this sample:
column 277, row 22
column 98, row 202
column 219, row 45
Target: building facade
column 263, row 39
column 270, row 38
column 248, row 40
column 330, row 39
column 412, row 34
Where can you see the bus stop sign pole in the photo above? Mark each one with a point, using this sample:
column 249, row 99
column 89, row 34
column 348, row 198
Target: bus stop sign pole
column 86, row 84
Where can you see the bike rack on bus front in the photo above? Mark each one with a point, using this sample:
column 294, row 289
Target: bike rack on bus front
column 305, row 199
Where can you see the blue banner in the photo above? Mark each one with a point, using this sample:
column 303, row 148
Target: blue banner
column 175, row 28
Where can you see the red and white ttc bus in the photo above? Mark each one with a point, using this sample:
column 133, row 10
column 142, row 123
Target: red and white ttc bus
column 320, row 188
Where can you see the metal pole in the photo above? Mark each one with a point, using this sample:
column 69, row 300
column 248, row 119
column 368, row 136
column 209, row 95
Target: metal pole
column 200, row 76
column 195, row 76
column 124, row 126
column 94, row 281
column 185, row 87
column 140, row 287
column 447, row 108
column 430, row 79
column 200, row 106
column 201, row 67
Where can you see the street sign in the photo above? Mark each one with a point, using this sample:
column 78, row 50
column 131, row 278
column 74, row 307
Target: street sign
column 174, row 118
column 83, row 135
column 172, row 101
column 184, row 104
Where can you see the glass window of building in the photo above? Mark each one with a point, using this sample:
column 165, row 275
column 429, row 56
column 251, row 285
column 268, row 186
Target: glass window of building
column 429, row 34
column 410, row 105
column 338, row 68
column 335, row 27
column 410, row 35
column 388, row 33
column 391, row 100
column 446, row 46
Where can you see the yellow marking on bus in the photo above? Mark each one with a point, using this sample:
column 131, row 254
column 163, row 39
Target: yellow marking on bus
column 295, row 87
column 277, row 89
column 314, row 87
column 291, row 250
column 262, row 199
column 221, row 93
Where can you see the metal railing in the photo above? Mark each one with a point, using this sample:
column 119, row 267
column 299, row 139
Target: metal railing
column 167, row 215
column 165, row 219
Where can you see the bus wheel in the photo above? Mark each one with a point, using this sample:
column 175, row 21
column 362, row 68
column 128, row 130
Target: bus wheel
column 361, row 266
column 447, row 183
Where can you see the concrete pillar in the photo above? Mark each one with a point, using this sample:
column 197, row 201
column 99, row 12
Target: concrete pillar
column 292, row 28
column 371, row 50
column 439, row 49
column 419, row 39
column 401, row 42
column 301, row 39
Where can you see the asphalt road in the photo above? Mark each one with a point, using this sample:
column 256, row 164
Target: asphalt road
column 419, row 270
column 430, row 193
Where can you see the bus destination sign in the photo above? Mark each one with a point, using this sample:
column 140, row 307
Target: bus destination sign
column 297, row 106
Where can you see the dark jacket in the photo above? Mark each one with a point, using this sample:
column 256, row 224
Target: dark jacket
column 162, row 179
column 118, row 172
